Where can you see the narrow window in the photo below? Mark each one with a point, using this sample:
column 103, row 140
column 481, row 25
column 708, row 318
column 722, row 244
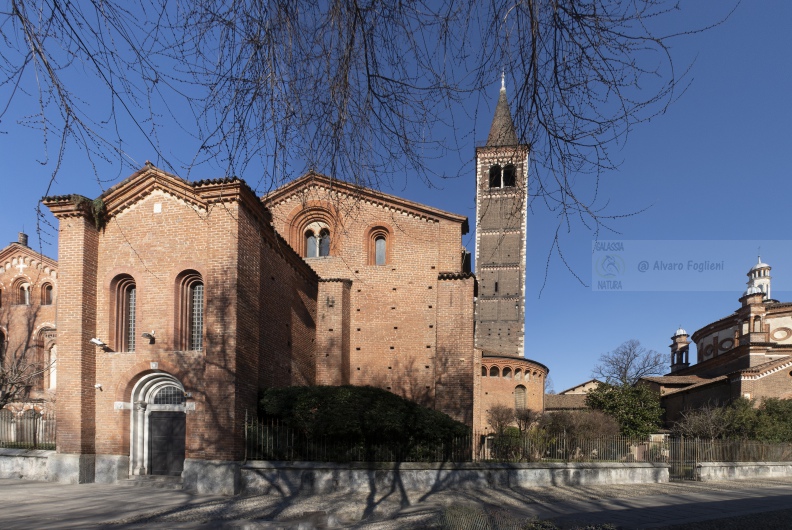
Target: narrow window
column 196, row 315
column 310, row 245
column 379, row 250
column 509, row 176
column 52, row 360
column 46, row 294
column 519, row 397
column 483, row 371
column 125, row 293
column 495, row 177
column 496, row 287
column 324, row 243
column 190, row 303
column 1, row 298
column 2, row 347
column 130, row 303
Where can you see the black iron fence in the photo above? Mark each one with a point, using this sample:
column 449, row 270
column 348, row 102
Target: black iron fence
column 29, row 429
column 538, row 446
column 273, row 440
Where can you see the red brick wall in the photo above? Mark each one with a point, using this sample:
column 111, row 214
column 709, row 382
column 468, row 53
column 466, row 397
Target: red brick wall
column 77, row 257
column 500, row 390
column 394, row 341
column 455, row 361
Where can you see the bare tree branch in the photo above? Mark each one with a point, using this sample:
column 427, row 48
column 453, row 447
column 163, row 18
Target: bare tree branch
column 628, row 363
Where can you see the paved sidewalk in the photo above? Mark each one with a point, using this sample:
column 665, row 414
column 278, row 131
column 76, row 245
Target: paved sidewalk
column 43, row 505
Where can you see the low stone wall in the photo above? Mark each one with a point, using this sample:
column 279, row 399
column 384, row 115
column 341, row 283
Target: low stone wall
column 24, row 464
column 711, row 471
column 289, row 478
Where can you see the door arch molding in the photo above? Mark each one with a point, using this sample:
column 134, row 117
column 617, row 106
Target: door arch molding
column 144, row 404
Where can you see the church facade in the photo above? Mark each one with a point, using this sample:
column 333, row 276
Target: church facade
column 178, row 301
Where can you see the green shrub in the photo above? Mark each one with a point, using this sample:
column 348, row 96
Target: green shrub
column 362, row 413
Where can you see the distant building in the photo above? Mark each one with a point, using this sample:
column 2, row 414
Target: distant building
column 28, row 294
column 570, row 399
column 745, row 354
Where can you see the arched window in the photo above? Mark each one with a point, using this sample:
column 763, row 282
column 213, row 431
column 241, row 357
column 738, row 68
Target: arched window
column 125, row 306
column 507, row 373
column 378, row 244
column 379, row 250
column 324, row 243
column 495, row 176
column 317, row 240
column 311, row 247
column 519, row 397
column 191, row 303
column 46, row 294
column 483, row 371
column 494, row 372
column 22, row 292
column 509, row 176
column 517, row 374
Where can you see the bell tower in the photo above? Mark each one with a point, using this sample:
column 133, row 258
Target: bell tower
column 501, row 222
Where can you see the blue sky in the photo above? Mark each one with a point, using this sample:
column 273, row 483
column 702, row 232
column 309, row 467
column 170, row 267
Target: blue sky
column 715, row 167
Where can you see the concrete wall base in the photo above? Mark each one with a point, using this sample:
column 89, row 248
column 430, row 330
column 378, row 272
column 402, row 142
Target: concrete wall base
column 71, row 468
column 24, row 464
column 711, row 471
column 289, row 478
column 215, row 477
column 111, row 468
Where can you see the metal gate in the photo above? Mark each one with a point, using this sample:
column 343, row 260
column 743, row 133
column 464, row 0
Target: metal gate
column 683, row 458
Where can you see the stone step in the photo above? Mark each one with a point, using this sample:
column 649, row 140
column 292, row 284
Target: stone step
column 154, row 481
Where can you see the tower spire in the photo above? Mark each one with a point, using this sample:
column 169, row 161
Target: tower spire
column 502, row 130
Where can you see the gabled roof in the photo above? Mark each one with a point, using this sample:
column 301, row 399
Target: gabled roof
column 580, row 384
column 704, row 382
column 764, row 369
column 366, row 194
column 15, row 249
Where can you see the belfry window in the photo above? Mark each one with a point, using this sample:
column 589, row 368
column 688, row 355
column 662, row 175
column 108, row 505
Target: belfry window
column 509, row 176
column 495, row 176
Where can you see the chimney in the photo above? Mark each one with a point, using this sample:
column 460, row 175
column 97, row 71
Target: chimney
column 23, row 239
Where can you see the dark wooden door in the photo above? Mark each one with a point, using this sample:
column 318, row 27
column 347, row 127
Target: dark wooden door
column 166, row 442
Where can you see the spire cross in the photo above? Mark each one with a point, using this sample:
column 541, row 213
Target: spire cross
column 503, row 79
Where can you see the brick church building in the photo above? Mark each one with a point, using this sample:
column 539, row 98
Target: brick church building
column 178, row 301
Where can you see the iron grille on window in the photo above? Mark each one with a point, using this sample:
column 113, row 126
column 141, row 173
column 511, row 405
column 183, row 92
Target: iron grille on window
column 196, row 316
column 130, row 311
column 170, row 395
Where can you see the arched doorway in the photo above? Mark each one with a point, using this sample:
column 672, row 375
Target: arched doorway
column 158, row 426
